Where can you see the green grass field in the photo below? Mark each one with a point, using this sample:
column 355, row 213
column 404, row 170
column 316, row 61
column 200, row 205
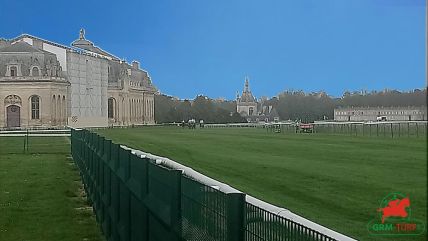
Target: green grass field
column 335, row 180
column 40, row 193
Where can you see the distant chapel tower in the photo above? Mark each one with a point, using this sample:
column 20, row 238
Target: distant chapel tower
column 246, row 104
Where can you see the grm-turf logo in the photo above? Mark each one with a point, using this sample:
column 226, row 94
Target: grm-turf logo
column 394, row 218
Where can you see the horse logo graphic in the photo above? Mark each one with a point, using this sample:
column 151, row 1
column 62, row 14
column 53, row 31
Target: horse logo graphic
column 394, row 217
column 395, row 208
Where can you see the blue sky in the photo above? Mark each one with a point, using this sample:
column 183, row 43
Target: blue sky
column 193, row 47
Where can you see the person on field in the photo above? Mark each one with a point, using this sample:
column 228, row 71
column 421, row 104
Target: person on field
column 192, row 124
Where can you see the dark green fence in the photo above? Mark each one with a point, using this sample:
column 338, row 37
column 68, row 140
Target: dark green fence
column 135, row 199
column 375, row 129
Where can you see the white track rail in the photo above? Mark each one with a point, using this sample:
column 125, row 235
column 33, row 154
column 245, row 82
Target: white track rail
column 368, row 123
column 35, row 133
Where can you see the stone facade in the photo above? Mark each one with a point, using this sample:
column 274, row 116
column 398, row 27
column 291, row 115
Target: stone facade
column 46, row 84
column 130, row 100
column 380, row 113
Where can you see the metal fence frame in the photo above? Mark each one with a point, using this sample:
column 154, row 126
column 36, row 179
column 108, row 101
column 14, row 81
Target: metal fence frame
column 134, row 197
column 389, row 129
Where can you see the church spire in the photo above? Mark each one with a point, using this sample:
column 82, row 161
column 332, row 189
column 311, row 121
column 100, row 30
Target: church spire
column 247, row 85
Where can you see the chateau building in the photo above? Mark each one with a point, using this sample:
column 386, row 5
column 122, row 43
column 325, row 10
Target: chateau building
column 46, row 84
column 248, row 107
column 381, row 114
column 246, row 104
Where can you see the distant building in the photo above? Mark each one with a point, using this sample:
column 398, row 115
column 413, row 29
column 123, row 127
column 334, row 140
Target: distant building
column 246, row 104
column 248, row 107
column 380, row 113
column 46, row 84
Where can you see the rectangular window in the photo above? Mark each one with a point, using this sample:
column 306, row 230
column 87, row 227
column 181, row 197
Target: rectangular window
column 35, row 112
column 35, row 107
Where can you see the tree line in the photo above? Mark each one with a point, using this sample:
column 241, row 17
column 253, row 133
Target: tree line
column 290, row 105
column 169, row 110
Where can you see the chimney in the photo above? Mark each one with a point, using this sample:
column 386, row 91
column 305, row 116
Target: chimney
column 38, row 44
column 135, row 64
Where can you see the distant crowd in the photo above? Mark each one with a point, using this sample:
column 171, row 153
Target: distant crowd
column 192, row 124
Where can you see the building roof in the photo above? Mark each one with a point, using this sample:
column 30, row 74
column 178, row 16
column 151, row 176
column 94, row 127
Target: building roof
column 246, row 96
column 87, row 45
column 20, row 37
column 20, row 47
column 84, row 45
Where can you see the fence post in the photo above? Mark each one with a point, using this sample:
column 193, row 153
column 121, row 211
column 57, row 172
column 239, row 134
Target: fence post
column 114, row 192
column 408, row 129
column 176, row 203
column 417, row 130
column 124, row 206
column 27, row 140
column 144, row 193
column 426, row 128
column 235, row 216
column 399, row 129
column 106, row 194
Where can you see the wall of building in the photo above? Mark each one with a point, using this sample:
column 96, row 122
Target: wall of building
column 149, row 108
column 244, row 108
column 371, row 114
column 84, row 122
column 88, row 77
column 83, row 80
column 131, row 106
column 52, row 108
column 60, row 53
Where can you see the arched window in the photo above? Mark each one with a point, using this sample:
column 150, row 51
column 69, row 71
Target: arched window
column 111, row 107
column 58, row 109
column 64, row 108
column 35, row 71
column 35, row 107
column 53, row 111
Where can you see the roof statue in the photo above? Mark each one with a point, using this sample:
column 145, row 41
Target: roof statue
column 82, row 34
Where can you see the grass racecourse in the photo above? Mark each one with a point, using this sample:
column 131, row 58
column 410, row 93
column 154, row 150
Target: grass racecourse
column 335, row 180
column 40, row 193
